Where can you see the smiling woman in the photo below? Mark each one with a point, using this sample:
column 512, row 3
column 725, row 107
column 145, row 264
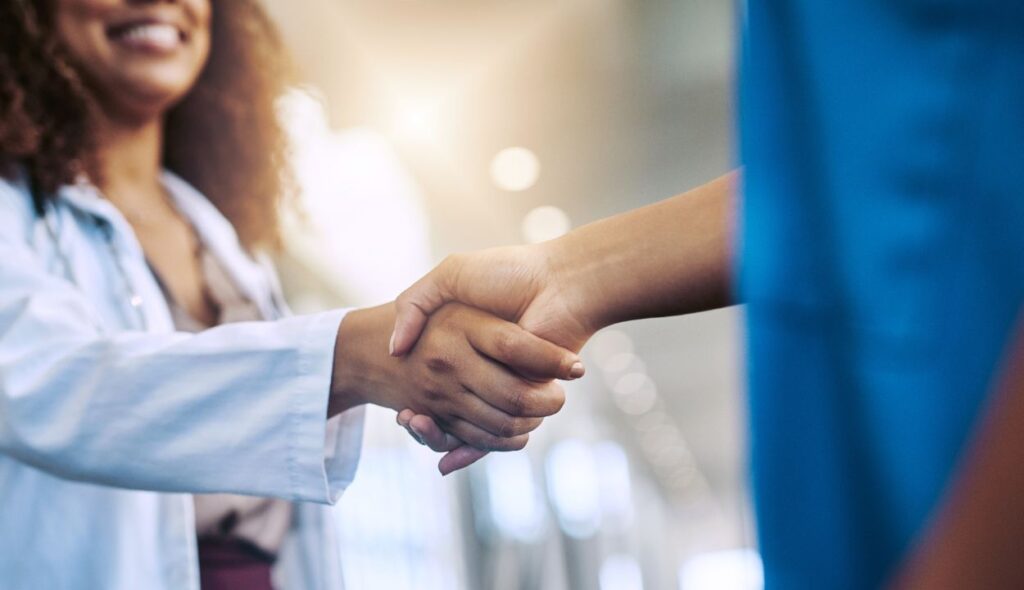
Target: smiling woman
column 213, row 74
column 164, row 422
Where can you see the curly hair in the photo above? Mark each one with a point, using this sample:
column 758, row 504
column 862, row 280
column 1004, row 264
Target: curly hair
column 224, row 137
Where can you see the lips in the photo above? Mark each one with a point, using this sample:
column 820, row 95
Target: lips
column 148, row 35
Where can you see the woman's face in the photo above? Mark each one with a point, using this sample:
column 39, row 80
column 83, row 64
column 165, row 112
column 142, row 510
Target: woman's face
column 139, row 56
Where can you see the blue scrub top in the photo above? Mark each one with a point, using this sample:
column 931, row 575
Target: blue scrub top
column 882, row 259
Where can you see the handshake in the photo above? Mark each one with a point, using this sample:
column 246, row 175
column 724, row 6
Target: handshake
column 477, row 346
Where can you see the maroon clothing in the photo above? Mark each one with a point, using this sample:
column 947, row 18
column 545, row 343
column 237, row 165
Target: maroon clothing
column 232, row 564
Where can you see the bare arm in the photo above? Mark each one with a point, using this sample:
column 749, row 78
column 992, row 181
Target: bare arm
column 975, row 539
column 670, row 258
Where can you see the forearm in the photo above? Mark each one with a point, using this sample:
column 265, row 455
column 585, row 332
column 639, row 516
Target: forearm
column 974, row 540
column 670, row 258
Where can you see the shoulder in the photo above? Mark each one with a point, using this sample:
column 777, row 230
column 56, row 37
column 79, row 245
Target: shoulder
column 16, row 211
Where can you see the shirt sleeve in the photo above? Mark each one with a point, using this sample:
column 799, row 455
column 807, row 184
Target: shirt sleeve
column 239, row 408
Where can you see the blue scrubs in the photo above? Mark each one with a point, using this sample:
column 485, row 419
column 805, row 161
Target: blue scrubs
column 882, row 259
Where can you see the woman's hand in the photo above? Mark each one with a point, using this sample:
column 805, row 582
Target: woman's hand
column 466, row 374
column 517, row 282
column 523, row 284
column 669, row 258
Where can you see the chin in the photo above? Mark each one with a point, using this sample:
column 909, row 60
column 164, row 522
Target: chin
column 149, row 94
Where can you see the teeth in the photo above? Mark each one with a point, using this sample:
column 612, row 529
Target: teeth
column 155, row 34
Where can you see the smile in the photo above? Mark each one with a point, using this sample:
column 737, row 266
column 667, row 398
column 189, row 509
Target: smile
column 149, row 36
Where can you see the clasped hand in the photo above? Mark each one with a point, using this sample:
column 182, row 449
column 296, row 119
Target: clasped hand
column 484, row 380
column 519, row 283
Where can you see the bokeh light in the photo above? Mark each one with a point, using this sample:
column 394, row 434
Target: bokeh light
column 515, row 169
column 545, row 223
column 621, row 572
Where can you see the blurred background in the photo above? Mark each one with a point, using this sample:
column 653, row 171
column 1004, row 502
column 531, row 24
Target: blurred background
column 424, row 128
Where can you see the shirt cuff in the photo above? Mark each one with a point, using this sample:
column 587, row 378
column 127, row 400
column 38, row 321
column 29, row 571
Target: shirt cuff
column 323, row 454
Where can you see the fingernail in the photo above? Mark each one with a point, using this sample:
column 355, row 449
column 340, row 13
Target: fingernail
column 391, row 345
column 577, row 370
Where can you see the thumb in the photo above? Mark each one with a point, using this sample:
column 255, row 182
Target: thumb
column 414, row 306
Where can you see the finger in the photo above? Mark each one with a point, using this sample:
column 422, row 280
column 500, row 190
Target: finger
column 404, row 417
column 521, row 351
column 494, row 384
column 414, row 306
column 431, row 434
column 476, row 411
column 475, row 436
column 459, row 458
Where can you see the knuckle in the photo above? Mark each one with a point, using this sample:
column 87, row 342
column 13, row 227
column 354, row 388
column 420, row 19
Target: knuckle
column 509, row 427
column 549, row 399
column 440, row 364
column 435, row 395
column 556, row 395
column 489, row 442
column 518, row 402
column 517, row 443
column 483, row 441
column 403, row 299
column 507, row 344
column 449, row 266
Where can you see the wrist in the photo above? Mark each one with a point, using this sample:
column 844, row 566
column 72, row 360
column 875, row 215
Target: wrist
column 574, row 277
column 361, row 359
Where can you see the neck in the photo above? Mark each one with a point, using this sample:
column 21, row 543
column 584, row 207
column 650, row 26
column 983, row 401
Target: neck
column 129, row 159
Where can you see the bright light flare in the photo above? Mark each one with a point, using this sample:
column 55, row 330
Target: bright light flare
column 515, row 169
column 417, row 123
column 545, row 223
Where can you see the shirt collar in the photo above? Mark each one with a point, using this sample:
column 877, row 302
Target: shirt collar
column 212, row 228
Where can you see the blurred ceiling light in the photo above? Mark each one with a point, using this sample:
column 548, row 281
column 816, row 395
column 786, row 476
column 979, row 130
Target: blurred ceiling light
column 732, row 569
column 621, row 572
column 635, row 393
column 616, row 486
column 663, row 440
column 622, row 362
column 573, row 485
column 515, row 169
column 682, row 476
column 545, row 223
column 363, row 229
column 651, row 421
column 417, row 123
column 608, row 343
column 516, row 507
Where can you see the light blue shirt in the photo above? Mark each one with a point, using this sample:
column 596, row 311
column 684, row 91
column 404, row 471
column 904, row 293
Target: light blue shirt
column 109, row 419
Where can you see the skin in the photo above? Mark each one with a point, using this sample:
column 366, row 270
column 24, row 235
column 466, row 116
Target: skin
column 459, row 375
column 669, row 258
column 135, row 89
column 673, row 258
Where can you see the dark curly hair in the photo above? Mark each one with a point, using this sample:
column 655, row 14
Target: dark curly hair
column 224, row 137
